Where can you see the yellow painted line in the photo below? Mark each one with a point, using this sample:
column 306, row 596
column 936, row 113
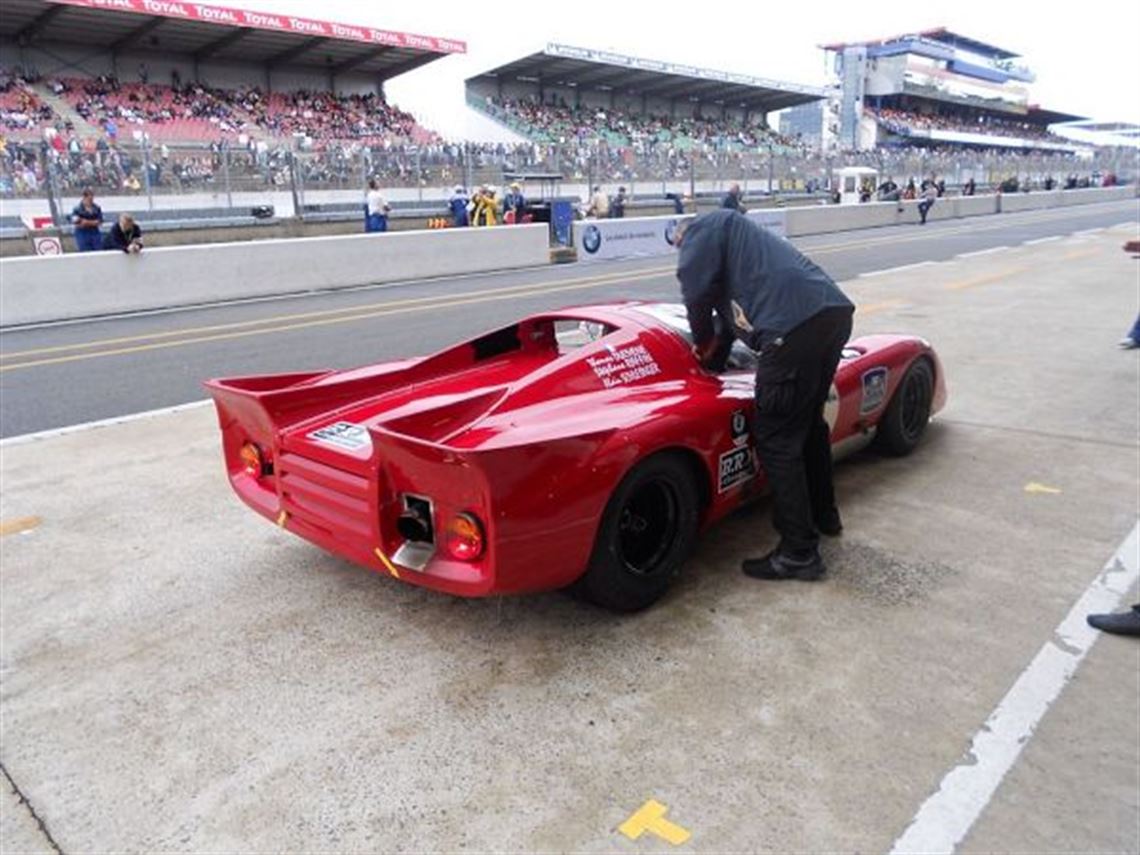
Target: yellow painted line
column 651, row 817
column 313, row 323
column 873, row 308
column 281, row 518
column 20, row 524
column 1033, row 488
column 386, row 562
column 986, row 279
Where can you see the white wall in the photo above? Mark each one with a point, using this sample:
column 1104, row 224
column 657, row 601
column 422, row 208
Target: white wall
column 38, row 289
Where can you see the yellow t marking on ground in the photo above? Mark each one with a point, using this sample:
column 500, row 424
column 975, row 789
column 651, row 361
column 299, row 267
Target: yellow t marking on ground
column 18, row 525
column 1033, row 488
column 651, row 817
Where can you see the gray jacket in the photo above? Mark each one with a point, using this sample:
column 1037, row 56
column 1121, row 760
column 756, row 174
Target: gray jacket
column 760, row 285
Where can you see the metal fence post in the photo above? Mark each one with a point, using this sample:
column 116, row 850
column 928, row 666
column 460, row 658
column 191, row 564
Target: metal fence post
column 226, row 174
column 419, row 176
column 145, row 143
column 295, row 185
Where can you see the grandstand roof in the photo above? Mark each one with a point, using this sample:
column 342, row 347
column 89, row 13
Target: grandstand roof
column 218, row 32
column 580, row 67
column 939, row 34
column 1041, row 116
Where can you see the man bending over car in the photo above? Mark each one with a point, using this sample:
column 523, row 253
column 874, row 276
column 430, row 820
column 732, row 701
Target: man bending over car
column 791, row 313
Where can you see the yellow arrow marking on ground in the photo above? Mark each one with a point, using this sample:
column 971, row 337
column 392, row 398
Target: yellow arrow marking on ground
column 1033, row 487
column 16, row 526
column 384, row 560
column 651, row 817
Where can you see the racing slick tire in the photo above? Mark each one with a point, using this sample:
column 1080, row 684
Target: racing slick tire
column 908, row 413
column 647, row 531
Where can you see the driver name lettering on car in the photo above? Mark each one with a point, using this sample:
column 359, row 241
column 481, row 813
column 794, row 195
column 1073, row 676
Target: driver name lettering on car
column 624, row 365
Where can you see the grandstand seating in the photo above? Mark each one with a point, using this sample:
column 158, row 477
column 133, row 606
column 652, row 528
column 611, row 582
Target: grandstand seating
column 22, row 113
column 560, row 123
column 904, row 121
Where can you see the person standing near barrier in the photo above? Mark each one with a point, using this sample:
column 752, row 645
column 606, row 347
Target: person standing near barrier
column 376, row 209
column 458, row 205
column 87, row 218
column 784, row 307
column 732, row 199
column 513, row 204
column 125, row 236
column 617, row 205
column 485, row 207
column 929, row 196
column 599, row 204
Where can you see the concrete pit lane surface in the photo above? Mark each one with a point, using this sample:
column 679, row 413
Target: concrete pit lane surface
column 180, row 675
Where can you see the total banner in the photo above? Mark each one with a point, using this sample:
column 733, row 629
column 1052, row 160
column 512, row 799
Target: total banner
column 604, row 240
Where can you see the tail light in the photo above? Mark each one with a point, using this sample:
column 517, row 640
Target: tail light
column 253, row 461
column 463, row 538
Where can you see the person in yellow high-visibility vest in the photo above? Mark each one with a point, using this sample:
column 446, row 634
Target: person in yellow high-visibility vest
column 486, row 208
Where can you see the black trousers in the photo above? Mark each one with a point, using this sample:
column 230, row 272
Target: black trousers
column 792, row 438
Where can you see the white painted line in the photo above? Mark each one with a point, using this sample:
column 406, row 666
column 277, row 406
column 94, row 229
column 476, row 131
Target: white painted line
column 976, row 253
column 899, row 269
column 1090, row 231
column 947, row 816
column 1041, row 240
column 102, row 423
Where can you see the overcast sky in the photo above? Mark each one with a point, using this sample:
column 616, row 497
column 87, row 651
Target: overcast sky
column 1086, row 55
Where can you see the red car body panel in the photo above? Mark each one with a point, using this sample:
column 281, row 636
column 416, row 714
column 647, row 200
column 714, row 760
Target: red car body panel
column 528, row 434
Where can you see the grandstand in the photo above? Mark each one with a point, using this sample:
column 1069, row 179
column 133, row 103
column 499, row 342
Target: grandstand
column 938, row 88
column 568, row 95
column 190, row 72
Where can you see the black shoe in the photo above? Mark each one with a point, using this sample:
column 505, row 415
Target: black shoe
column 1124, row 623
column 830, row 524
column 779, row 565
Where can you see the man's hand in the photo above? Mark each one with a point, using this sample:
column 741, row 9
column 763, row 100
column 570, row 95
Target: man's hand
column 705, row 354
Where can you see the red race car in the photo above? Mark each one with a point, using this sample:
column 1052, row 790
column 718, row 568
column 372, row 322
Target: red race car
column 581, row 447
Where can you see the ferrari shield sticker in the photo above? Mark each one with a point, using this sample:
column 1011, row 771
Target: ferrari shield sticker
column 736, row 466
column 343, row 435
column 874, row 390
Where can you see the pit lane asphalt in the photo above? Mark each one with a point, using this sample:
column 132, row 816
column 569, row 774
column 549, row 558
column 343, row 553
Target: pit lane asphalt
column 177, row 674
column 74, row 373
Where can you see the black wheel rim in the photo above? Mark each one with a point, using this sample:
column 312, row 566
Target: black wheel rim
column 647, row 527
column 915, row 405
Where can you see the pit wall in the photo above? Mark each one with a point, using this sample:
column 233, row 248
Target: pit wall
column 44, row 289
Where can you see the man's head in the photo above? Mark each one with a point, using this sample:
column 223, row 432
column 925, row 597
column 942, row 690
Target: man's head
column 126, row 222
column 734, row 190
column 88, row 195
column 515, row 186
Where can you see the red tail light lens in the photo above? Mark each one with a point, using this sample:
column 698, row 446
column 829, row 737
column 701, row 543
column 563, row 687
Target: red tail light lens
column 463, row 538
column 253, row 461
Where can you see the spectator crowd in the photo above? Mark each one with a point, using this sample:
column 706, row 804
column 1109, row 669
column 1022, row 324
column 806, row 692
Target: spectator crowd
column 905, row 121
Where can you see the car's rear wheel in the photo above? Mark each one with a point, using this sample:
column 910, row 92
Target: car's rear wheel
column 647, row 531
column 908, row 413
